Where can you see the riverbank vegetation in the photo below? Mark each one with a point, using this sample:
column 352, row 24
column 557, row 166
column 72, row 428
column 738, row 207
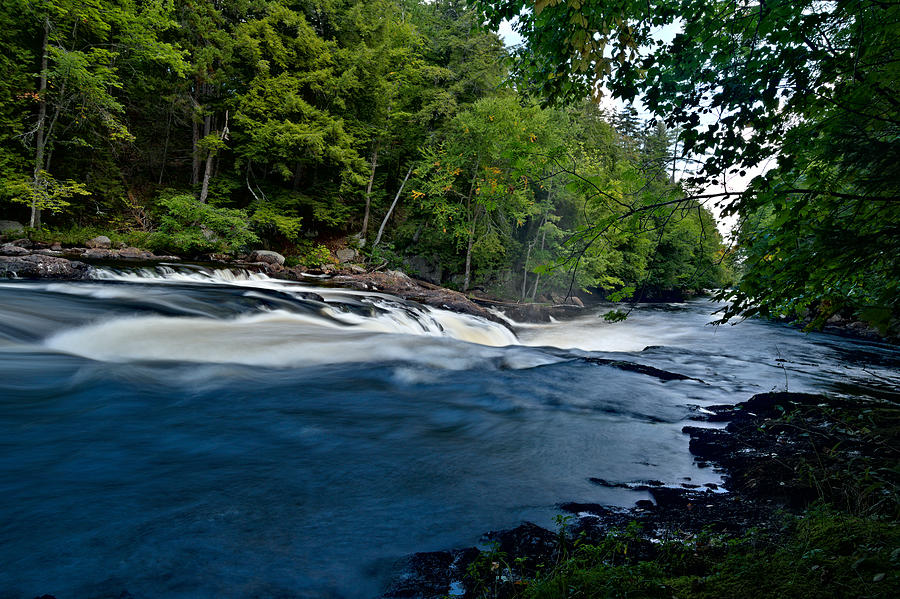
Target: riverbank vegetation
column 802, row 96
column 207, row 127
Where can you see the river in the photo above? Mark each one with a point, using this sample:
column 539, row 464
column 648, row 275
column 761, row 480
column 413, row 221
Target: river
column 199, row 433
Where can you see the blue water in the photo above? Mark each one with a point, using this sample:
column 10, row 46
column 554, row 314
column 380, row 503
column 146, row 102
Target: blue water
column 204, row 437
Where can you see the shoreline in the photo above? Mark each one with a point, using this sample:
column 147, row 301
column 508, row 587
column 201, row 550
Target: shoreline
column 24, row 259
column 33, row 260
column 762, row 455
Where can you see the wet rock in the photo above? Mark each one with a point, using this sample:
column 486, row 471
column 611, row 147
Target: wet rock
column 36, row 266
column 529, row 542
column 577, row 301
column 578, row 508
column 431, row 575
column 48, row 253
column 267, row 256
column 56, row 246
column 401, row 285
column 101, row 241
column 8, row 249
column 663, row 375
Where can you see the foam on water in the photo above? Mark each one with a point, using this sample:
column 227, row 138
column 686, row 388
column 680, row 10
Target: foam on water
column 280, row 338
column 383, row 328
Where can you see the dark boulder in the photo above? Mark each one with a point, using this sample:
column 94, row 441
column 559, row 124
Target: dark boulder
column 36, row 266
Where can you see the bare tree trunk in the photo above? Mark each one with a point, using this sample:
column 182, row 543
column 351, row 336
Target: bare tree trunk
column 365, row 224
column 209, row 161
column 469, row 249
column 40, row 141
column 525, row 271
column 391, row 209
column 474, row 224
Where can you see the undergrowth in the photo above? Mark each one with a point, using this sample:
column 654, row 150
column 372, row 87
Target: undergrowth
column 821, row 554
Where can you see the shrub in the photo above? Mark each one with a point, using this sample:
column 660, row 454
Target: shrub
column 189, row 227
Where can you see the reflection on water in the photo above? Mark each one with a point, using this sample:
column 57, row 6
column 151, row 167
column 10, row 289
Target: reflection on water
column 212, row 434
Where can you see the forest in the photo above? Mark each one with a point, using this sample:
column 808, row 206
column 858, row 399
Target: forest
column 205, row 127
column 407, row 129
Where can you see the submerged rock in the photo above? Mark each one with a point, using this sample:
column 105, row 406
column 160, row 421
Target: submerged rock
column 663, row 375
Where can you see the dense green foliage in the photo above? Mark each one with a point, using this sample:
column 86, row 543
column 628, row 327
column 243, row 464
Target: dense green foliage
column 204, row 126
column 807, row 89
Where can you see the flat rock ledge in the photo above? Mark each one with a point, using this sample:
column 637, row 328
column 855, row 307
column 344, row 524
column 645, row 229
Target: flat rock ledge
column 37, row 266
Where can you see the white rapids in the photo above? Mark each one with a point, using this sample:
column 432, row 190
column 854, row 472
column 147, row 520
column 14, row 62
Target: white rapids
column 389, row 330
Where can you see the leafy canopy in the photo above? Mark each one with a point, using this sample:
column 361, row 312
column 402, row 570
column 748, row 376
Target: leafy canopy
column 805, row 88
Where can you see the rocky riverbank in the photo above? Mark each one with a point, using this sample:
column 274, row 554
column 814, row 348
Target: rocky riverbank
column 25, row 259
column 778, row 454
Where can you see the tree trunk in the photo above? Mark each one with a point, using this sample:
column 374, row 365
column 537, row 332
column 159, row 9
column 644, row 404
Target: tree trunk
column 40, row 141
column 469, row 249
column 209, row 161
column 162, row 168
column 538, row 276
column 365, row 225
column 525, row 271
column 391, row 209
column 195, row 154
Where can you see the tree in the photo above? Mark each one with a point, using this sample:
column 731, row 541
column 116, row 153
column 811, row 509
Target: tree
column 809, row 86
column 83, row 44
